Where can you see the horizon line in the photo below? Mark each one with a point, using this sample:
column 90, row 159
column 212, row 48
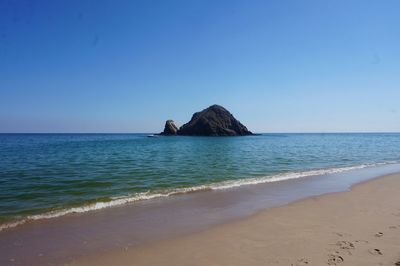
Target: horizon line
column 273, row 132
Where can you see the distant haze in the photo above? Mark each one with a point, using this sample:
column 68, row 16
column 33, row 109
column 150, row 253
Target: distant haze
column 127, row 66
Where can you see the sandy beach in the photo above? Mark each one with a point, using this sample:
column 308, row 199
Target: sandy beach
column 175, row 133
column 356, row 227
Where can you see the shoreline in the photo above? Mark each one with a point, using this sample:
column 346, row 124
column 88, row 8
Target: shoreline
column 346, row 228
column 141, row 196
column 74, row 238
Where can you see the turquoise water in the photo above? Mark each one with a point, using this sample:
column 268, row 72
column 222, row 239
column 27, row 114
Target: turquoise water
column 48, row 175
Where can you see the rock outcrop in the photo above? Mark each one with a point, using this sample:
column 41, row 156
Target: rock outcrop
column 213, row 121
column 170, row 128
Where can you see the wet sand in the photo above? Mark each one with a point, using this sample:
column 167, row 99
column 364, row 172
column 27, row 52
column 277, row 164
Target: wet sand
column 356, row 227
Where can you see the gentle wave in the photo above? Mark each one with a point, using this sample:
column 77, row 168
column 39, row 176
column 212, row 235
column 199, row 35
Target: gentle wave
column 117, row 201
column 290, row 175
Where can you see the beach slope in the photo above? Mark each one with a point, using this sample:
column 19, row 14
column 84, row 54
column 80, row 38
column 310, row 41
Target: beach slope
column 356, row 227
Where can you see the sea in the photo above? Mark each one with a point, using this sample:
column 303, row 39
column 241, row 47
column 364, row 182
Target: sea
column 44, row 176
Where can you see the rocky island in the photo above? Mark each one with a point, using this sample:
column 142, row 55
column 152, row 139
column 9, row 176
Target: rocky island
column 212, row 121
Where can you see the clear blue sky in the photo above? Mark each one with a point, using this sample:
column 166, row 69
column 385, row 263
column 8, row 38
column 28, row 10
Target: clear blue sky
column 127, row 66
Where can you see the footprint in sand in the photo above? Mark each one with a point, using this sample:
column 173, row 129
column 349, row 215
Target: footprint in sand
column 342, row 234
column 379, row 234
column 334, row 259
column 362, row 241
column 392, row 227
column 345, row 245
column 375, row 251
column 301, row 262
column 397, row 263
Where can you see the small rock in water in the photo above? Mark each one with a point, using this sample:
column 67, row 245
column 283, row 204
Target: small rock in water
column 170, row 128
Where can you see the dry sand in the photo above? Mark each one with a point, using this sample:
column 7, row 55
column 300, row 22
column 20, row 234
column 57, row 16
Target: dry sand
column 357, row 227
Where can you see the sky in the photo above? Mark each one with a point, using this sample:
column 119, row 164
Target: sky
column 127, row 66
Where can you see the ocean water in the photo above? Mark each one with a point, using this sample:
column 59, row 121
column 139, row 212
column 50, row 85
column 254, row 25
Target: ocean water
column 49, row 175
